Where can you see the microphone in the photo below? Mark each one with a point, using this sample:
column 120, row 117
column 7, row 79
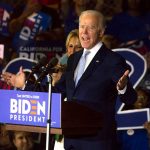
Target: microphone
column 48, row 69
column 35, row 69
column 42, row 62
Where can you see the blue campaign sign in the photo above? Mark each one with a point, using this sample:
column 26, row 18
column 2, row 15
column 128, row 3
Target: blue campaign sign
column 5, row 11
column 35, row 23
column 29, row 108
column 132, row 119
column 38, row 49
column 14, row 65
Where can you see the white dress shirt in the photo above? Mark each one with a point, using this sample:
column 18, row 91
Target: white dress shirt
column 89, row 57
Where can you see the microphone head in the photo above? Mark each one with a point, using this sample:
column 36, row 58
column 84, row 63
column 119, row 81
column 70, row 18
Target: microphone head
column 42, row 62
column 52, row 63
column 49, row 67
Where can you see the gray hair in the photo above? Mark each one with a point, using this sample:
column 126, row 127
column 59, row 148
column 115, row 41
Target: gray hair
column 99, row 15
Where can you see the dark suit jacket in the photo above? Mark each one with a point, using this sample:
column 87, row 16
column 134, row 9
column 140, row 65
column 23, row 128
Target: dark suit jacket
column 97, row 87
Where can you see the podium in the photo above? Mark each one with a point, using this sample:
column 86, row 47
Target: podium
column 76, row 119
column 28, row 111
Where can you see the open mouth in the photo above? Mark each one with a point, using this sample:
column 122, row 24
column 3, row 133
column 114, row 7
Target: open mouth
column 85, row 39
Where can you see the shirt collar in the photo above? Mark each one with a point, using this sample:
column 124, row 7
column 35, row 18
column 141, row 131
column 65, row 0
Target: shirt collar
column 95, row 49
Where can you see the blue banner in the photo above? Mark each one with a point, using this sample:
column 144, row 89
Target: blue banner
column 135, row 118
column 35, row 23
column 38, row 49
column 5, row 11
column 29, row 108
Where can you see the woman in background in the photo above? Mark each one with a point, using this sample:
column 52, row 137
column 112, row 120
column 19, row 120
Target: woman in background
column 72, row 45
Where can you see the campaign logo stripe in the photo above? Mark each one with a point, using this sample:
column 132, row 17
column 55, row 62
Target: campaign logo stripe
column 33, row 113
column 34, row 108
column 33, row 101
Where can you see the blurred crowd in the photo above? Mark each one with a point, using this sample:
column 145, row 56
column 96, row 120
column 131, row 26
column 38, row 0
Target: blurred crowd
column 128, row 26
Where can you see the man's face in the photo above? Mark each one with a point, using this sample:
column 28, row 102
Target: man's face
column 89, row 32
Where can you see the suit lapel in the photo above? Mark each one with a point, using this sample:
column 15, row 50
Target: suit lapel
column 76, row 60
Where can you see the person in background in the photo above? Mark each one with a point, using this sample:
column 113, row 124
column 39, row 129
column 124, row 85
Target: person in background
column 28, row 7
column 72, row 45
column 147, row 127
column 1, row 65
column 3, row 84
column 110, row 41
column 72, row 19
column 143, row 99
column 25, row 9
column 57, row 75
column 15, row 80
column 22, row 140
column 136, row 139
column 131, row 25
column 5, row 143
column 105, row 77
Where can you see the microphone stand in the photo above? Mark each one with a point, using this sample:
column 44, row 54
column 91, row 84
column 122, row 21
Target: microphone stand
column 48, row 137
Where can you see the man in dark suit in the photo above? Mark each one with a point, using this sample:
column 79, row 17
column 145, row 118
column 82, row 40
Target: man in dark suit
column 105, row 77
